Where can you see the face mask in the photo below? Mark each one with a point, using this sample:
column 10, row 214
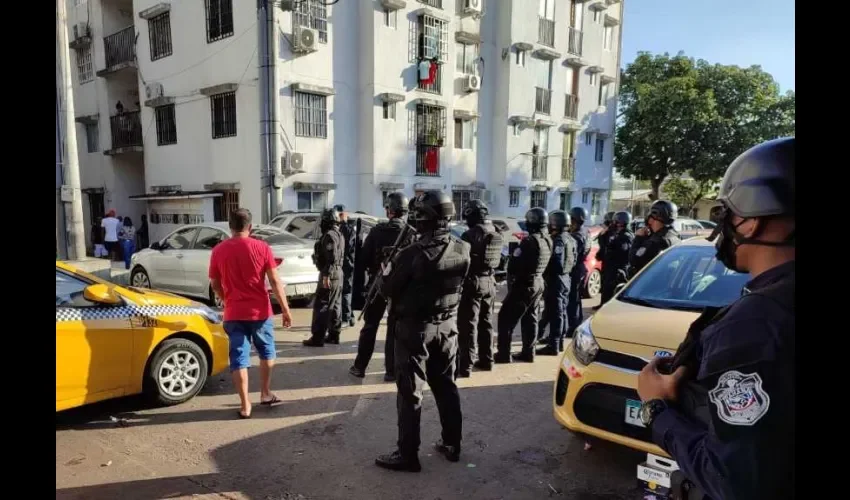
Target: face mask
column 726, row 245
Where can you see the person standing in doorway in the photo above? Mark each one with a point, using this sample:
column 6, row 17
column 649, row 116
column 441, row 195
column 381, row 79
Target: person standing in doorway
column 346, row 229
column 239, row 267
column 110, row 225
column 127, row 233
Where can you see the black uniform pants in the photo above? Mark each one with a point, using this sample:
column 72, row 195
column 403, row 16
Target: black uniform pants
column 520, row 305
column 372, row 316
column 610, row 279
column 426, row 352
column 554, row 315
column 347, row 288
column 575, row 313
column 327, row 307
column 475, row 321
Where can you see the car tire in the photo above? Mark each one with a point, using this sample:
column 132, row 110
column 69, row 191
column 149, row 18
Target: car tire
column 171, row 369
column 139, row 278
column 592, row 285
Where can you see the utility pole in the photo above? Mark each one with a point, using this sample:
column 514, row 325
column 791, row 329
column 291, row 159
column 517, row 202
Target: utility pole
column 71, row 193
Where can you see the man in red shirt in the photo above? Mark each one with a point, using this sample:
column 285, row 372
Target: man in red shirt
column 239, row 267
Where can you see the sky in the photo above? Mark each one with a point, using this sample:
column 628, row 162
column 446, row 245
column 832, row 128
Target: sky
column 739, row 32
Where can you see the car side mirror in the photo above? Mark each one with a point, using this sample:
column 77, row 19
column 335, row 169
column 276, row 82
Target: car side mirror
column 102, row 294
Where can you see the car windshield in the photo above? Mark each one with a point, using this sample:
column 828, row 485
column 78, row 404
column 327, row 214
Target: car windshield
column 521, row 224
column 686, row 278
column 284, row 239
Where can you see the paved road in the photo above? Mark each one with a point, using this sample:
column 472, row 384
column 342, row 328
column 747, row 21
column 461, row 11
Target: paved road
column 320, row 444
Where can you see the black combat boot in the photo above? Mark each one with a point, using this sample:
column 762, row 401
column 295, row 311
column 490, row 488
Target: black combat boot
column 389, row 377
column 395, row 461
column 313, row 342
column 332, row 340
column 482, row 366
column 357, row 372
column 525, row 356
column 502, row 359
column 452, row 453
column 547, row 351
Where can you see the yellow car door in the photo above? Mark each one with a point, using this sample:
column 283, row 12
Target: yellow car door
column 94, row 345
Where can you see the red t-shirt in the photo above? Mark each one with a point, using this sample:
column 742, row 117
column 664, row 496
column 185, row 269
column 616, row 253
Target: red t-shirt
column 241, row 264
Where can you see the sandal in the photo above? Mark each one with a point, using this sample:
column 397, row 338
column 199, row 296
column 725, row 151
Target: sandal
column 271, row 402
column 242, row 415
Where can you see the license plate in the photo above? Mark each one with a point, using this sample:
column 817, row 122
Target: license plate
column 304, row 289
column 633, row 413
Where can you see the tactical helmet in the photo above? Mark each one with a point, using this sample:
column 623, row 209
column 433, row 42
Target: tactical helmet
column 536, row 218
column 665, row 211
column 330, row 215
column 623, row 217
column 397, row 203
column 608, row 218
column 340, row 208
column 760, row 182
column 579, row 214
column 475, row 209
column 434, row 205
column 559, row 219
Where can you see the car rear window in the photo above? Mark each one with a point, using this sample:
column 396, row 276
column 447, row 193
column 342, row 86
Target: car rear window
column 284, row 239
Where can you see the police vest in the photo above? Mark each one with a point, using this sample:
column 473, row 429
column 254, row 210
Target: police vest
column 485, row 251
column 563, row 255
column 439, row 271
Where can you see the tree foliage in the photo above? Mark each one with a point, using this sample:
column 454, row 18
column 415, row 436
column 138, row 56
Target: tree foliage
column 679, row 115
column 686, row 193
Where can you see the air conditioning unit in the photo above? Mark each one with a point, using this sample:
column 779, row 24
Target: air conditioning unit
column 81, row 30
column 294, row 163
column 304, row 40
column 472, row 7
column 153, row 90
column 472, row 83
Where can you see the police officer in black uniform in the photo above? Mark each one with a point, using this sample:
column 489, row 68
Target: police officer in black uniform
column 380, row 239
column 327, row 304
column 602, row 240
column 575, row 315
column 655, row 237
column 557, row 278
column 348, row 232
column 474, row 317
column 423, row 284
column 724, row 405
column 615, row 269
column 525, row 287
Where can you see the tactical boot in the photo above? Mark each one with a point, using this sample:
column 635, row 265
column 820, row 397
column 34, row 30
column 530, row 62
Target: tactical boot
column 313, row 342
column 357, row 372
column 482, row 366
column 351, row 322
column 332, row 340
column 395, row 461
column 547, row 351
column 452, row 453
column 389, row 377
column 527, row 357
column 502, row 359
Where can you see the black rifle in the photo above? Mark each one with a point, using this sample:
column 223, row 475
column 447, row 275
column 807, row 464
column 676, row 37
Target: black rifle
column 405, row 237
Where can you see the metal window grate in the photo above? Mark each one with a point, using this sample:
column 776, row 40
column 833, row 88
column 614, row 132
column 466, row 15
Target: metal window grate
column 159, row 30
column 223, row 114
column 430, row 125
column 565, row 200
column 311, row 115
column 166, row 125
column 435, row 87
column 92, row 137
column 219, row 19
column 120, row 47
column 225, row 205
column 571, row 106
column 312, row 14
column 546, row 31
column 427, row 160
column 429, row 38
column 460, row 199
column 574, row 37
column 538, row 199
column 513, row 198
column 568, row 169
column 126, row 129
column 85, row 71
column 437, row 4
column 542, row 100
column 539, row 167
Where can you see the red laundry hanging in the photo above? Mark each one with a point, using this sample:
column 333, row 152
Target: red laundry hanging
column 432, row 160
column 432, row 73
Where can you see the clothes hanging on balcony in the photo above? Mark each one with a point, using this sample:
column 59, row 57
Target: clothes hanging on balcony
column 432, row 160
column 432, row 72
column 424, row 70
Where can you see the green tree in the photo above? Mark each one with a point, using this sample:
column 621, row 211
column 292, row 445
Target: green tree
column 686, row 193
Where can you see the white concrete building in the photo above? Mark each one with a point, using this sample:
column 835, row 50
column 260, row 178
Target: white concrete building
column 356, row 110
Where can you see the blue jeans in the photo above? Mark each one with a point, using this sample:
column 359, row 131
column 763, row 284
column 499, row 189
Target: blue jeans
column 127, row 249
column 242, row 334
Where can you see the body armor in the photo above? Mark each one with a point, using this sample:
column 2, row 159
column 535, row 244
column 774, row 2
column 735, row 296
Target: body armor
column 486, row 250
column 440, row 268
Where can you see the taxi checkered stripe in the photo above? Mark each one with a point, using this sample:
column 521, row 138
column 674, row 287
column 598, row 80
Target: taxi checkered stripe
column 100, row 313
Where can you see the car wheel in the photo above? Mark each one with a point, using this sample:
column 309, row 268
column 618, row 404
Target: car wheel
column 593, row 284
column 139, row 278
column 177, row 372
column 215, row 299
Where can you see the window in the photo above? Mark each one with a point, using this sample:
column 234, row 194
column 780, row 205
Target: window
column 585, row 196
column 595, row 202
column 311, row 116
column 464, row 133
column 389, row 111
column 540, row 154
column 564, row 200
column 96, row 207
column 520, row 57
column 70, row 291
column 594, row 78
column 225, row 205
column 311, row 201
column 513, row 198
column 312, row 14
column 608, row 37
column 283, row 239
column 208, row 238
column 465, row 58
column 384, row 195
column 604, row 94
column 92, row 138
column 79, row 2
column 600, row 149
column 159, row 31
column 219, row 19
column 544, row 74
column 588, row 138
column 223, row 113
column 166, row 125
column 302, row 226
column 460, row 199
column 181, row 239
column 85, row 73
column 432, row 39
column 429, row 124
column 391, row 18
column 538, row 199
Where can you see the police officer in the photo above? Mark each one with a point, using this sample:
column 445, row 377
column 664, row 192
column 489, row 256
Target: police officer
column 557, row 278
column 347, row 230
column 380, row 239
column 327, row 304
column 724, row 405
column 423, row 284
column 575, row 315
column 602, row 240
column 616, row 266
column 525, row 275
column 655, row 237
column 475, row 324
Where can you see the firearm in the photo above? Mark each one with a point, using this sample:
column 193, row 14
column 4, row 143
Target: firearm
column 405, row 237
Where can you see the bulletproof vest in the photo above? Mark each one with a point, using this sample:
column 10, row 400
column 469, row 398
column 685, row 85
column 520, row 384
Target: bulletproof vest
column 485, row 251
column 321, row 252
column 583, row 246
column 386, row 234
column 615, row 256
column 563, row 257
column 439, row 269
column 544, row 244
column 671, row 235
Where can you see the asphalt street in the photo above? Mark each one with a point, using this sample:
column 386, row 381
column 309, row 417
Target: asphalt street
column 321, row 443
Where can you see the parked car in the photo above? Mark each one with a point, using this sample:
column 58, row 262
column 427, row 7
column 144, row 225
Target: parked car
column 687, row 228
column 707, row 224
column 593, row 281
column 305, row 224
column 114, row 341
column 179, row 263
column 595, row 390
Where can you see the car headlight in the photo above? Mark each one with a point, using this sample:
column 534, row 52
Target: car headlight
column 208, row 314
column 584, row 344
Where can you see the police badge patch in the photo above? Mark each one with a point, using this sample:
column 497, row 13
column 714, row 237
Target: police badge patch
column 517, row 252
column 625, row 246
column 559, row 250
column 739, row 398
column 640, row 252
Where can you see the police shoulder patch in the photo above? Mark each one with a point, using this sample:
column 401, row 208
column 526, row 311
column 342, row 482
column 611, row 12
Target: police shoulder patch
column 559, row 250
column 517, row 252
column 640, row 251
column 740, row 398
column 625, row 246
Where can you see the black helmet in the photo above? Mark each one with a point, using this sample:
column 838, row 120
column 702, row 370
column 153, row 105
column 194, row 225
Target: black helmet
column 340, row 208
column 624, row 218
column 559, row 219
column 536, row 218
column 475, row 209
column 760, row 182
column 396, row 203
column 609, row 217
column 434, row 205
column 665, row 211
column 579, row 214
column 330, row 215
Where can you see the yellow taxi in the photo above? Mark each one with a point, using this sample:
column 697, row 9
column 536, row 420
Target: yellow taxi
column 114, row 341
column 595, row 391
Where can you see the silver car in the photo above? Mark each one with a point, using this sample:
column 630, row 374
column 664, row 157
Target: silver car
column 179, row 263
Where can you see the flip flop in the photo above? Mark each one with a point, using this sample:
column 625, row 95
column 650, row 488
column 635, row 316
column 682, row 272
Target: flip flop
column 242, row 415
column 272, row 402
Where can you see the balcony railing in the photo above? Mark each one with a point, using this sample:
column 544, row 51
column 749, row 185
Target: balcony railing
column 574, row 39
column 568, row 169
column 571, row 107
column 546, row 31
column 437, row 4
column 543, row 100
column 126, row 129
column 120, row 47
column 538, row 167
column 433, row 87
column 427, row 160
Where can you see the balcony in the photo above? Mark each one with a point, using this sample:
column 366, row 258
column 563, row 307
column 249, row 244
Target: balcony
column 568, row 169
column 546, row 31
column 538, row 167
column 574, row 41
column 427, row 160
column 437, row 4
column 120, row 51
column 126, row 131
column 542, row 100
column 435, row 86
column 571, row 107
